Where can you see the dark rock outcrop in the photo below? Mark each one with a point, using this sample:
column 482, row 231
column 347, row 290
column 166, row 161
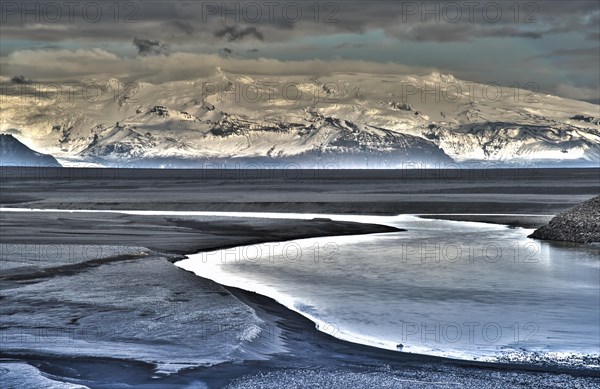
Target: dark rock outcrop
column 587, row 119
column 579, row 224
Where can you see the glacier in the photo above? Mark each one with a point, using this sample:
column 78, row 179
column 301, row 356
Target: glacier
column 349, row 120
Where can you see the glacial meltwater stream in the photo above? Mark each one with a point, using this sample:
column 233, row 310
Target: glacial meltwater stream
column 447, row 288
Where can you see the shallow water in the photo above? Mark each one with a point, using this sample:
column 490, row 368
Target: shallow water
column 144, row 310
column 457, row 289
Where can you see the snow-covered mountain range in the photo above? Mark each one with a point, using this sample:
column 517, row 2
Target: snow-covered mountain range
column 352, row 120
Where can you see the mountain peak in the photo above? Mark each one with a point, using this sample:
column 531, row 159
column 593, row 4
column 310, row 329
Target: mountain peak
column 15, row 153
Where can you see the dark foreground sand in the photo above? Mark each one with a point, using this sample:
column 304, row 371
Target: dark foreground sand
column 142, row 303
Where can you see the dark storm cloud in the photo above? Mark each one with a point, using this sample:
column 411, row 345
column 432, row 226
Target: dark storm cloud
column 191, row 29
column 20, row 80
column 452, row 33
column 188, row 20
column 234, row 33
column 147, row 47
column 185, row 27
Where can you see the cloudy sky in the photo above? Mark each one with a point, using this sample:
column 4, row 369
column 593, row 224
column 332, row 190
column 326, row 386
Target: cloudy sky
column 554, row 44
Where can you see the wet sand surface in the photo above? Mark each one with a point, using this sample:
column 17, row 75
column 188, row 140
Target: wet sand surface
column 148, row 323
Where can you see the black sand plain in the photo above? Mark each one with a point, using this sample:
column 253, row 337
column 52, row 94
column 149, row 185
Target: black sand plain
column 294, row 354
